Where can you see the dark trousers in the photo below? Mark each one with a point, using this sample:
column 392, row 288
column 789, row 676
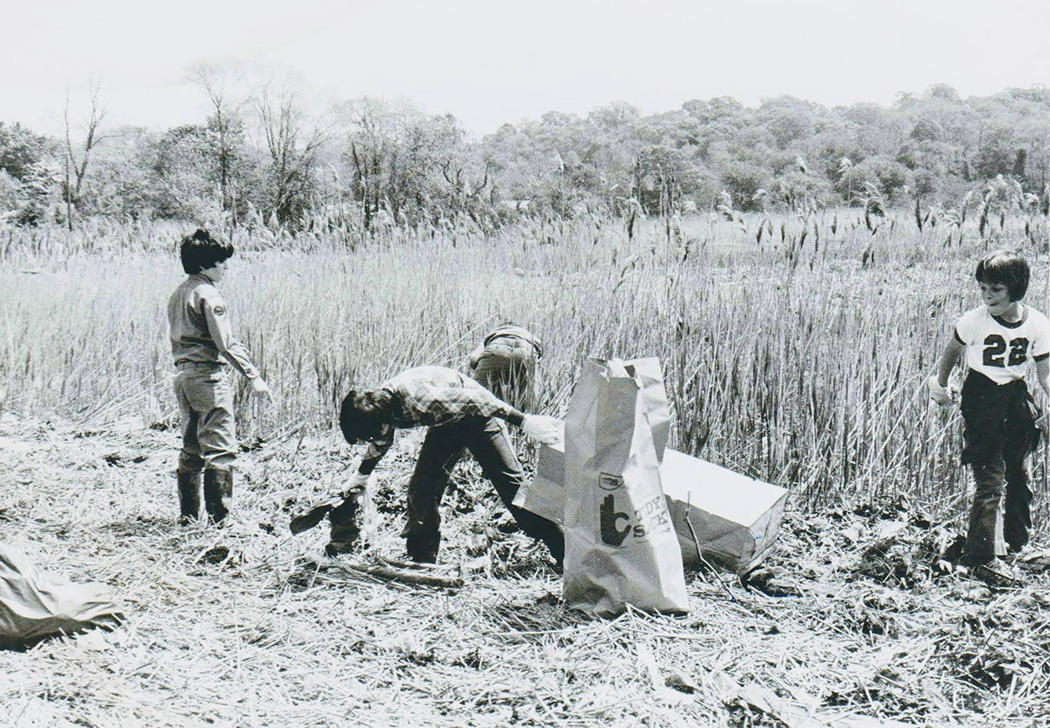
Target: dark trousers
column 488, row 442
column 999, row 432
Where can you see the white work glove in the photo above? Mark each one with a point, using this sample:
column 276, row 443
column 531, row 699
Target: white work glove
column 940, row 395
column 541, row 428
column 356, row 484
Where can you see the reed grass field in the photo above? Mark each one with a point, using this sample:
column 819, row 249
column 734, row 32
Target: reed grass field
column 796, row 356
column 798, row 359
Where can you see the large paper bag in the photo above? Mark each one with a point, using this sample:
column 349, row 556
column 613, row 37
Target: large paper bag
column 730, row 518
column 620, row 546
column 544, row 495
column 654, row 400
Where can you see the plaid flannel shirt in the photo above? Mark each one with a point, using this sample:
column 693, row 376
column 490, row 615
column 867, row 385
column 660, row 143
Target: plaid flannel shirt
column 432, row 396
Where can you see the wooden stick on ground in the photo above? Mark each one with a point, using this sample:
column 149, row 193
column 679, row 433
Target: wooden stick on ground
column 408, row 577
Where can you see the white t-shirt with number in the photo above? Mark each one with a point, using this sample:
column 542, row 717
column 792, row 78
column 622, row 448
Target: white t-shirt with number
column 1003, row 350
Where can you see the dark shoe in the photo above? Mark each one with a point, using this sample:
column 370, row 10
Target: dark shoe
column 218, row 493
column 971, row 561
column 334, row 548
column 998, row 573
column 189, row 497
column 1015, row 548
column 422, row 549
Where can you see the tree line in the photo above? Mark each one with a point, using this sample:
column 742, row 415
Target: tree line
column 265, row 157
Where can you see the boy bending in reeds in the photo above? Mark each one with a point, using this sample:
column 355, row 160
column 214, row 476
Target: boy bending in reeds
column 1000, row 340
column 202, row 343
column 505, row 364
column 460, row 414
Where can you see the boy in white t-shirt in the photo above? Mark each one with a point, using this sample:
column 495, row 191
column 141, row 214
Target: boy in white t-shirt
column 1000, row 341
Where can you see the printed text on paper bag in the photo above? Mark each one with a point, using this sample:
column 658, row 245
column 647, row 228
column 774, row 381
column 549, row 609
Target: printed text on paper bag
column 617, row 525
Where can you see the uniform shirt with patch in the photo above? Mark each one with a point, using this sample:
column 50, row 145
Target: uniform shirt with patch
column 1003, row 350
column 200, row 328
column 432, row 396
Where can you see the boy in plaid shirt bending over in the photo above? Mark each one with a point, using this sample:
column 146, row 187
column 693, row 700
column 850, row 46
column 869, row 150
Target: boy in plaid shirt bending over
column 460, row 414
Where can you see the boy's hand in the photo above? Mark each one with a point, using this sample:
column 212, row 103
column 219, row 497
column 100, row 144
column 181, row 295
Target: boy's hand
column 548, row 430
column 475, row 357
column 1043, row 423
column 940, row 395
column 260, row 388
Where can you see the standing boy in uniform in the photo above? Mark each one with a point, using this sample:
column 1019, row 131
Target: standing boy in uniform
column 202, row 343
column 1000, row 340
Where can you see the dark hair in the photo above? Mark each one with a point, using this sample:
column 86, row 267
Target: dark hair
column 1005, row 268
column 363, row 414
column 202, row 250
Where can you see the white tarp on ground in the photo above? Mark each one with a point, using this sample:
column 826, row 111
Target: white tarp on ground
column 736, row 519
column 35, row 604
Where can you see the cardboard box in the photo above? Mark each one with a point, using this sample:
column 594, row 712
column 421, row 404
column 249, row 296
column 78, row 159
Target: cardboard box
column 736, row 518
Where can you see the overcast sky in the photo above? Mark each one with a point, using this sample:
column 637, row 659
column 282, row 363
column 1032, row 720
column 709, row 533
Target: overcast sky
column 489, row 62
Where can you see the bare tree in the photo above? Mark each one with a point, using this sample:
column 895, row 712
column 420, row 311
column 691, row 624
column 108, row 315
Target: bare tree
column 462, row 193
column 77, row 168
column 371, row 143
column 225, row 124
column 293, row 142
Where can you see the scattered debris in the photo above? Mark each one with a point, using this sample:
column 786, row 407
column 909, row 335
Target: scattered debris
column 771, row 581
column 119, row 460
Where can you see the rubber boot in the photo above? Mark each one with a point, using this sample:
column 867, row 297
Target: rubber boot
column 422, row 547
column 189, row 497
column 345, row 520
column 218, row 493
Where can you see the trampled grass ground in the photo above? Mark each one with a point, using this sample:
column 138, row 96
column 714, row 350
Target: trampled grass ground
column 250, row 626
column 796, row 357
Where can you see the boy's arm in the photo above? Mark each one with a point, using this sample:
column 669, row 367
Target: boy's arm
column 1042, row 373
column 375, row 451
column 221, row 331
column 472, row 400
column 540, row 428
column 475, row 400
column 948, row 360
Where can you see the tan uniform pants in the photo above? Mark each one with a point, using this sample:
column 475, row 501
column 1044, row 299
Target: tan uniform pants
column 205, row 396
column 507, row 368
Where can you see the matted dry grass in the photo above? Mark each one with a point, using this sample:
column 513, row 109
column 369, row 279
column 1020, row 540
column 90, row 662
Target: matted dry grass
column 250, row 626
